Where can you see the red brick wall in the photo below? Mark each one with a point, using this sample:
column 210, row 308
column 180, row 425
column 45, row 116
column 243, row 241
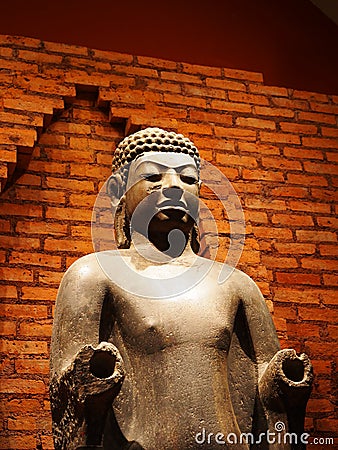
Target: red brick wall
column 62, row 112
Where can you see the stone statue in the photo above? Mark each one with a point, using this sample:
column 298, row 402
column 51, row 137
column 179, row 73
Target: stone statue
column 176, row 365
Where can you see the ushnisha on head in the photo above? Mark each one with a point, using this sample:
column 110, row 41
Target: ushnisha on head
column 176, row 161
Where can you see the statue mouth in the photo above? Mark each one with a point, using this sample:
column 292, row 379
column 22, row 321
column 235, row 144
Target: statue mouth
column 176, row 206
column 173, row 212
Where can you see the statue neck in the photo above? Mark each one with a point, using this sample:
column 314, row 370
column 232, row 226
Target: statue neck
column 162, row 247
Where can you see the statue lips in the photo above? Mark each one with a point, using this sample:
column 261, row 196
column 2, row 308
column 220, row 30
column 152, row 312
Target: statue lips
column 176, row 210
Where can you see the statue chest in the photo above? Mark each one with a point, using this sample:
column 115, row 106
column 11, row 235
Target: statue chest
column 202, row 316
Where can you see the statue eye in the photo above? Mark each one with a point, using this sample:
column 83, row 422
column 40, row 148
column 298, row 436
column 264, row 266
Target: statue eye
column 188, row 180
column 153, row 177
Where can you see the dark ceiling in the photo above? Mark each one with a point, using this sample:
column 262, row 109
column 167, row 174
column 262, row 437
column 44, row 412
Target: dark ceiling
column 292, row 42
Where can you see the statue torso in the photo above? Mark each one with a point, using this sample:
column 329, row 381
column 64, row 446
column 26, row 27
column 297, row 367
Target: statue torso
column 175, row 352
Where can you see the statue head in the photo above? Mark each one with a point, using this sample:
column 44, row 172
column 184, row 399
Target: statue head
column 155, row 184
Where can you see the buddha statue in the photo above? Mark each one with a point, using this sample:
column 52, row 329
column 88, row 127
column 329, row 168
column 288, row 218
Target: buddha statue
column 149, row 350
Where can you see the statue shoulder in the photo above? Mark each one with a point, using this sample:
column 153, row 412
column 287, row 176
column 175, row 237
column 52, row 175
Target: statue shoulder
column 88, row 269
column 239, row 281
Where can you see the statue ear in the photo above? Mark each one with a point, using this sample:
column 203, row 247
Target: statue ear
column 122, row 225
column 195, row 239
column 115, row 188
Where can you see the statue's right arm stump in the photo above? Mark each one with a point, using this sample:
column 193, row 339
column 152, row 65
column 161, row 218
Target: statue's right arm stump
column 82, row 395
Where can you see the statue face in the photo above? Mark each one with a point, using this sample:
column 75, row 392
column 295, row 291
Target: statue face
column 163, row 186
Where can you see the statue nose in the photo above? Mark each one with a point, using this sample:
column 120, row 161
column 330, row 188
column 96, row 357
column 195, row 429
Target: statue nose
column 174, row 193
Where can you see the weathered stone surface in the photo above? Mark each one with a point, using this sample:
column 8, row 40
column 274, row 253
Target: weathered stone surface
column 150, row 350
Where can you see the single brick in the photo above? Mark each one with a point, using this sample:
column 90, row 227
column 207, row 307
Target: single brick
column 155, row 62
column 319, row 264
column 243, row 75
column 40, row 195
column 159, row 85
column 328, row 250
column 181, row 78
column 65, row 48
column 113, row 56
column 268, row 90
column 325, row 108
column 49, row 277
column 320, row 142
column 35, row 329
column 279, row 262
column 18, row 136
column 292, row 220
column 69, row 245
column 16, row 274
column 23, row 347
column 279, row 137
column 22, row 118
column 310, row 96
column 237, row 160
column 35, row 259
column 248, row 98
column 272, row 233
column 331, row 132
column 92, row 79
column 325, row 194
column 297, row 152
column 281, row 163
column 182, row 100
column 297, row 278
column 317, row 167
column 273, row 112
column 40, row 228
column 38, row 293
column 293, row 192
column 258, row 148
column 306, row 180
column 236, row 133
column 202, row 91
column 26, row 311
column 262, row 175
column 19, row 242
column 292, row 104
column 39, row 57
column 137, row 71
column 69, row 184
column 316, row 236
column 69, row 214
column 309, row 206
column 17, row 405
column 291, row 127
column 257, row 203
column 225, row 84
column 208, row 117
column 7, row 328
column 28, row 179
column 317, row 117
column 187, row 128
column 255, row 123
column 47, row 167
column 17, row 66
column 294, row 248
column 203, row 70
column 288, row 295
column 330, row 279
column 230, row 106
